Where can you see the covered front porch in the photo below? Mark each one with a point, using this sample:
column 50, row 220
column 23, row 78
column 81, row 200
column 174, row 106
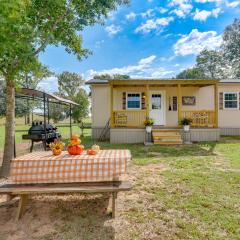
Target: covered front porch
column 166, row 101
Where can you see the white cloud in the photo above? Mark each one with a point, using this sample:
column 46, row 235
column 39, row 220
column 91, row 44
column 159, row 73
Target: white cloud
column 216, row 12
column 233, row 4
column 142, row 65
column 143, row 69
column 131, row 16
column 181, row 7
column 203, row 15
column 196, row 41
column 149, row 13
column 162, row 10
column 148, row 60
column 153, row 24
column 160, row 72
column 167, row 59
column 113, row 29
column 206, row 1
column 49, row 84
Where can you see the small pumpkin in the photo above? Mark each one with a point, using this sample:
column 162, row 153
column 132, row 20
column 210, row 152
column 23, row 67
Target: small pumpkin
column 75, row 149
column 57, row 151
column 91, row 152
column 75, row 140
column 96, row 148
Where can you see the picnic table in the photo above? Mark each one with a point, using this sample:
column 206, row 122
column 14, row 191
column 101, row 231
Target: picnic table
column 43, row 173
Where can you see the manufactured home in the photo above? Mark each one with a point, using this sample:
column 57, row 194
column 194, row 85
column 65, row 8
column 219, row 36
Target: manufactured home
column 120, row 107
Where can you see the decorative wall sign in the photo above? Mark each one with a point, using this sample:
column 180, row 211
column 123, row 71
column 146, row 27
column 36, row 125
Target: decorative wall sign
column 188, row 100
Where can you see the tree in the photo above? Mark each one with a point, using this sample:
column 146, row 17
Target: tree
column 27, row 28
column 69, row 83
column 231, row 46
column 106, row 76
column 191, row 73
column 57, row 112
column 70, row 86
column 81, row 111
column 211, row 63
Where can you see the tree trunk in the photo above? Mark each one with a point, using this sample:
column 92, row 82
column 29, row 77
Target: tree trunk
column 9, row 128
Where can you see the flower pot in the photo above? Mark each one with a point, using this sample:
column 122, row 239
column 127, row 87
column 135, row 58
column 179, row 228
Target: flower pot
column 148, row 129
column 186, row 128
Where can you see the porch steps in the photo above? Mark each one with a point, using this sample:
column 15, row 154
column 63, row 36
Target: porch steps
column 166, row 137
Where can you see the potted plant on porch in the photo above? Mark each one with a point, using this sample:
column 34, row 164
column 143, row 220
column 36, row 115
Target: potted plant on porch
column 148, row 124
column 186, row 122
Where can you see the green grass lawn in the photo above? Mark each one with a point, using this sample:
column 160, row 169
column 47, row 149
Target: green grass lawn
column 181, row 192
column 185, row 192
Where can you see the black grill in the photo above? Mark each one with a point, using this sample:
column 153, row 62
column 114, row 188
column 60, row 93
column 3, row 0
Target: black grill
column 36, row 133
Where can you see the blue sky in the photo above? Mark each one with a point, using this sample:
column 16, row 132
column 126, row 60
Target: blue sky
column 147, row 38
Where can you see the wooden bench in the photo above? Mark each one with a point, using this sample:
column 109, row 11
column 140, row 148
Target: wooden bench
column 23, row 191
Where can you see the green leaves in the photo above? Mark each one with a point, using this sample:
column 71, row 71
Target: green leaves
column 27, row 27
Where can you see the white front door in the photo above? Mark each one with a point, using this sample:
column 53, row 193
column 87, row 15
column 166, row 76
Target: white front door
column 157, row 107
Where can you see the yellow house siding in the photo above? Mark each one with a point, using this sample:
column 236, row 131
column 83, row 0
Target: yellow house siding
column 100, row 105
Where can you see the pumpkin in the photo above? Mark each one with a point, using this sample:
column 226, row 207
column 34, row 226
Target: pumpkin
column 57, row 146
column 75, row 149
column 91, row 152
column 96, row 148
column 75, row 140
column 57, row 151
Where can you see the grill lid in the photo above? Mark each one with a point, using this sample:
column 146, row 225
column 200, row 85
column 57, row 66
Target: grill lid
column 38, row 128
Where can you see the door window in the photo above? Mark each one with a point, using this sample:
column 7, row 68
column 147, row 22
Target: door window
column 156, row 101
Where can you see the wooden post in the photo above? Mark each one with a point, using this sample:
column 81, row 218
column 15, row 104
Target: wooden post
column 111, row 107
column 216, row 104
column 147, row 100
column 114, row 204
column 179, row 101
column 21, row 206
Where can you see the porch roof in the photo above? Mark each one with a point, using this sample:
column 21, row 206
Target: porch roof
column 149, row 81
column 167, row 82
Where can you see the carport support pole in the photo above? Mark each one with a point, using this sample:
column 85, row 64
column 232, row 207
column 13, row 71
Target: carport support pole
column 70, row 120
column 48, row 110
column 44, row 115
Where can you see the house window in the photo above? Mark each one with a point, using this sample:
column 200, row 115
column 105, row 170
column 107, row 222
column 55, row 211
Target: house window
column 134, row 101
column 231, row 100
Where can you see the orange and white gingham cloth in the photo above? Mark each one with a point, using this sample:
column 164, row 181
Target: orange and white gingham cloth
column 43, row 167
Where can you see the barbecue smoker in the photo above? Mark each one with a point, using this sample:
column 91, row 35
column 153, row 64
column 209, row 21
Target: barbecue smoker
column 38, row 133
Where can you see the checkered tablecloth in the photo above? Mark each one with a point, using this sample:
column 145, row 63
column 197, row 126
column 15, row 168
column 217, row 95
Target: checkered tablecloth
column 43, row 167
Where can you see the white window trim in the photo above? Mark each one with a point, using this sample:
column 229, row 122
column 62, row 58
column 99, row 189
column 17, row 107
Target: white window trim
column 140, row 106
column 229, row 100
